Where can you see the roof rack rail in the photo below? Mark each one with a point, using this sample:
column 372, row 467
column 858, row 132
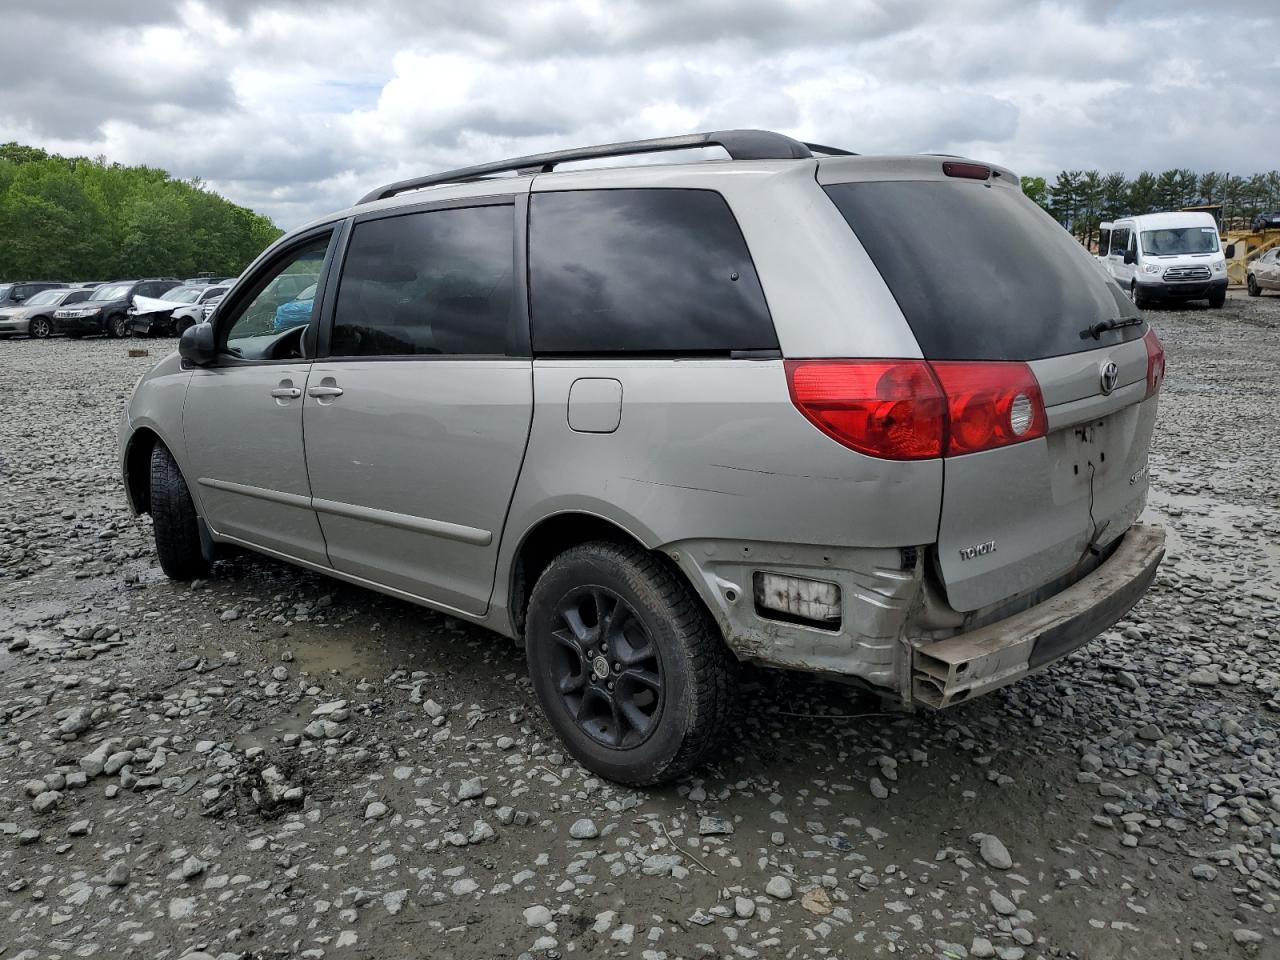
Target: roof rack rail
column 739, row 144
column 830, row 151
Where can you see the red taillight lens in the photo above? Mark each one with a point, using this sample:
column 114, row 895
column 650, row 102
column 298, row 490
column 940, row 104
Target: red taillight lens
column 969, row 171
column 1155, row 361
column 917, row 410
column 890, row 409
column 990, row 405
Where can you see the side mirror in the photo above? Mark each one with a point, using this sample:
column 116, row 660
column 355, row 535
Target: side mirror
column 1130, row 257
column 197, row 345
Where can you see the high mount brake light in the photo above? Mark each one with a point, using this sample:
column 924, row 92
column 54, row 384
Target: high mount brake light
column 915, row 410
column 1155, row 361
column 969, row 171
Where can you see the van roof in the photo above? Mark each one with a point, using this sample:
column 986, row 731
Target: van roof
column 1161, row 221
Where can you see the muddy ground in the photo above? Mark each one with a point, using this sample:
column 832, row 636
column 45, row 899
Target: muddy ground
column 272, row 764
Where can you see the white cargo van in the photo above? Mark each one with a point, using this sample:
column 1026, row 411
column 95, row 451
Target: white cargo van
column 1165, row 256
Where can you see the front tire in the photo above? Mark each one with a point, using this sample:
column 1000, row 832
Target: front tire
column 1137, row 296
column 627, row 664
column 174, row 519
column 116, row 326
column 40, row 328
column 1218, row 300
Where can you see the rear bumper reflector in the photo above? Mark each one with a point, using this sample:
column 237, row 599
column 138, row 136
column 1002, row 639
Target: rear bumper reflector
column 946, row 672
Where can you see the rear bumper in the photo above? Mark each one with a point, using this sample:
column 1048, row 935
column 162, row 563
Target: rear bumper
column 950, row 671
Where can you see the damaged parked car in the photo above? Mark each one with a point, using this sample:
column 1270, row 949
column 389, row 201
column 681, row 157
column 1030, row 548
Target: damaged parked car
column 628, row 417
column 107, row 309
column 172, row 313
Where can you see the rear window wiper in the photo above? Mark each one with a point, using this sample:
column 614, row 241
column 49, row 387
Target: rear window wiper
column 1096, row 330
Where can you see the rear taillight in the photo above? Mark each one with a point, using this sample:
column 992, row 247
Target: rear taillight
column 917, row 410
column 1155, row 361
column 892, row 409
column 990, row 405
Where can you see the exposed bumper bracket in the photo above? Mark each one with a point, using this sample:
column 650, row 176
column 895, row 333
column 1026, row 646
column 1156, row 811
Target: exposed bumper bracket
column 950, row 671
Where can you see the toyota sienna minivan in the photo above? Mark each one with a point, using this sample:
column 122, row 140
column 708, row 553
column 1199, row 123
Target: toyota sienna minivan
column 877, row 418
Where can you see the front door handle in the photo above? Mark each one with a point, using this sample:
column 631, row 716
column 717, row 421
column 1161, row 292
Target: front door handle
column 286, row 393
column 324, row 391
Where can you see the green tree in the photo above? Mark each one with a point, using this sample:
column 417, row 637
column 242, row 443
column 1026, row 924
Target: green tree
column 1037, row 190
column 72, row 218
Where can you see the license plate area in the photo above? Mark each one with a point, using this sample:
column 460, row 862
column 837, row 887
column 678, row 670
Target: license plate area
column 1080, row 454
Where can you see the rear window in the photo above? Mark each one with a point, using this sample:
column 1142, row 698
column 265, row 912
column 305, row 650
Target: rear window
column 981, row 272
column 656, row 271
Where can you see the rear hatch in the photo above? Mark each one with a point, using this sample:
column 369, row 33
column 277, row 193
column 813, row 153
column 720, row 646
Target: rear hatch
column 982, row 274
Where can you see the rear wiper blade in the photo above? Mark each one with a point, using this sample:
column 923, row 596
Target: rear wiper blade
column 1096, row 330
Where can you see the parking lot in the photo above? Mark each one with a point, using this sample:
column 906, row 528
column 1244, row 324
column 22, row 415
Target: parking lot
column 272, row 764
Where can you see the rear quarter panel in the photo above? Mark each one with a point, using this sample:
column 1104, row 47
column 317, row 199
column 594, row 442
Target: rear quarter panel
column 711, row 449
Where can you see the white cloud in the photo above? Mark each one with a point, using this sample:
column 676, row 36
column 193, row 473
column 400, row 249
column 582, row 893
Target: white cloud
column 295, row 107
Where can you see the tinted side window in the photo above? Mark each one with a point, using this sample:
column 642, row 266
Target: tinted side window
column 642, row 271
column 437, row 282
column 76, row 296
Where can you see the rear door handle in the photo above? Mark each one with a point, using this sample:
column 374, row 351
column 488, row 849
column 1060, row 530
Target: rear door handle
column 324, row 391
column 286, row 393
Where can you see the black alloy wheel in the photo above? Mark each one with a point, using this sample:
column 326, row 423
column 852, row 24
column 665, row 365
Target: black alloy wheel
column 627, row 663
column 607, row 668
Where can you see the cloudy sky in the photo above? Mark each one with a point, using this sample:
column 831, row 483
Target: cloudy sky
column 297, row 107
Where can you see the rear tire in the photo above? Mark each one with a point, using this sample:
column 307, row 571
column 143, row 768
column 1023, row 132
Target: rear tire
column 174, row 518
column 627, row 663
column 1254, row 289
column 40, row 328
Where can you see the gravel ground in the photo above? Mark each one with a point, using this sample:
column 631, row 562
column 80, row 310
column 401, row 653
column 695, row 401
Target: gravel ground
column 272, row 764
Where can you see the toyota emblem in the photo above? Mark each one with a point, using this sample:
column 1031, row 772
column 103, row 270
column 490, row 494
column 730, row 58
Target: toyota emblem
column 1110, row 375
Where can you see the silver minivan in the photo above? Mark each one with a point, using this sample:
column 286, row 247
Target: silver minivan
column 878, row 418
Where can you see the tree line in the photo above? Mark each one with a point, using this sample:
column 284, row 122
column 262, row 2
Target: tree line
column 76, row 218
column 1082, row 199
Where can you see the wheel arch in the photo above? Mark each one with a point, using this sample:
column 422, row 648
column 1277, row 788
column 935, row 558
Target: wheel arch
column 137, row 468
column 544, row 541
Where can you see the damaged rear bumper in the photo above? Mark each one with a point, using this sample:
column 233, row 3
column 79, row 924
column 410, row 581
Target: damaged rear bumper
column 945, row 672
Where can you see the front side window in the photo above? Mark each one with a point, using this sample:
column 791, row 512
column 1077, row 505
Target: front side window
column 1104, row 242
column 435, row 282
column 75, row 296
column 657, row 271
column 253, row 332
column 1119, row 241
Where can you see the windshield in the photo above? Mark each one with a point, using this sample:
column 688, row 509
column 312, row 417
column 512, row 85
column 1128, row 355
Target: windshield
column 182, row 294
column 45, row 296
column 5, row 290
column 111, row 291
column 1174, row 241
column 982, row 273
